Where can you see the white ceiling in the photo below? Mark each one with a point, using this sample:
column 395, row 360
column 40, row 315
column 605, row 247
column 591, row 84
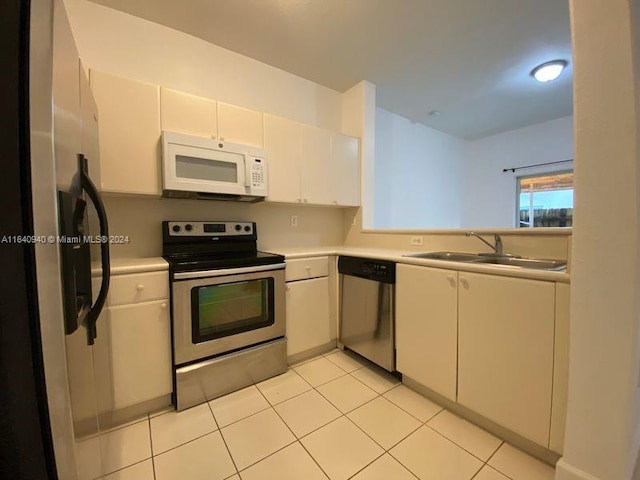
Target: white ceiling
column 468, row 59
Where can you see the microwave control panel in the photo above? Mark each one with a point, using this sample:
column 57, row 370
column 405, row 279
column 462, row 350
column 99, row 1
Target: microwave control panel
column 257, row 174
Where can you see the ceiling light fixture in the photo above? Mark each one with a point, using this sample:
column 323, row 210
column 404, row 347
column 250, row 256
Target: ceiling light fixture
column 549, row 71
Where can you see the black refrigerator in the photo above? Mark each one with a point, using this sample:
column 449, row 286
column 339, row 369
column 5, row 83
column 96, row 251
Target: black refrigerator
column 53, row 246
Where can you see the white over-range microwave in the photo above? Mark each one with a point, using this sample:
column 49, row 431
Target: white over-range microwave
column 205, row 168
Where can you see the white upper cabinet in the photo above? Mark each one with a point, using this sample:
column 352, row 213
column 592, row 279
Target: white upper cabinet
column 129, row 134
column 90, row 134
column 306, row 164
column 240, row 125
column 283, row 143
column 67, row 121
column 316, row 161
column 345, row 163
column 188, row 114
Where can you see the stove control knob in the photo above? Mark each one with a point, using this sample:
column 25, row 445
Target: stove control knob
column 176, row 228
column 247, row 228
column 188, row 227
column 238, row 228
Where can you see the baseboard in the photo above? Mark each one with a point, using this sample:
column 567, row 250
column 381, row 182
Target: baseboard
column 565, row 471
column 312, row 352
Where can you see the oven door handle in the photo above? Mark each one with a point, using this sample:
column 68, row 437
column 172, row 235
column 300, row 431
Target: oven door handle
column 227, row 271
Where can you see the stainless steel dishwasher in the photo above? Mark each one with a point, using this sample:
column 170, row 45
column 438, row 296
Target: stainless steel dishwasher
column 367, row 289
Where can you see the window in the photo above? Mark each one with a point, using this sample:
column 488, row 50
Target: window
column 545, row 200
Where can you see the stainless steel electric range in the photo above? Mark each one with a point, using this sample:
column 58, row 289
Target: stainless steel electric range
column 227, row 309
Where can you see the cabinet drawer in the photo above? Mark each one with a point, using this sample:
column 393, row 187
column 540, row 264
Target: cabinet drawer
column 139, row 287
column 303, row 268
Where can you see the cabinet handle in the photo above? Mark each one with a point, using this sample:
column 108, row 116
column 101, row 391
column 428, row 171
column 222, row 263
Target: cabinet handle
column 287, row 288
column 140, row 287
column 335, row 202
column 163, row 306
column 452, row 280
column 464, row 282
column 221, row 139
column 299, row 200
column 305, row 200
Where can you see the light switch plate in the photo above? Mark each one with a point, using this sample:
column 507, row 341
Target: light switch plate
column 293, row 221
column 417, row 240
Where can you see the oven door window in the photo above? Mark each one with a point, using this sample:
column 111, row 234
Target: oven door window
column 230, row 308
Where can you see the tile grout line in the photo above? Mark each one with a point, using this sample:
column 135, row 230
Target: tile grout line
column 223, row 439
column 153, row 463
column 387, row 451
column 378, row 395
column 460, row 446
column 297, row 440
column 493, row 455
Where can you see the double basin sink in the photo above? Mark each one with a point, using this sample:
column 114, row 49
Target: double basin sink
column 494, row 259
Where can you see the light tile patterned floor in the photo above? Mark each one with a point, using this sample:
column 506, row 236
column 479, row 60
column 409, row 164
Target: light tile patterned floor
column 334, row 416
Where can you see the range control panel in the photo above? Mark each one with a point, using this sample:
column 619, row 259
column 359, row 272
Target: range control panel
column 210, row 229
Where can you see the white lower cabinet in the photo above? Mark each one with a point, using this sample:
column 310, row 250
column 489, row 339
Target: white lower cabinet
column 140, row 352
column 308, row 319
column 496, row 345
column 308, row 311
column 427, row 327
column 139, row 338
column 506, row 351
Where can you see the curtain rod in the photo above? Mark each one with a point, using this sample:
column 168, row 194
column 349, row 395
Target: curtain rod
column 513, row 169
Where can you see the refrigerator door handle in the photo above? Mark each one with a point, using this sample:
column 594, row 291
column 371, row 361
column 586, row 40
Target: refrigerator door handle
column 92, row 192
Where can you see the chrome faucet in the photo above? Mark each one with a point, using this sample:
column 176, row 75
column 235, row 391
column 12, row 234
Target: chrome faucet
column 497, row 248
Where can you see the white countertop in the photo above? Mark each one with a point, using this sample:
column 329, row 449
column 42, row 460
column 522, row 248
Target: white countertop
column 396, row 256
column 122, row 266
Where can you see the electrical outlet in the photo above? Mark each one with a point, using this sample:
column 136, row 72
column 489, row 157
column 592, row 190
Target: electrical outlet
column 293, row 221
column 417, row 240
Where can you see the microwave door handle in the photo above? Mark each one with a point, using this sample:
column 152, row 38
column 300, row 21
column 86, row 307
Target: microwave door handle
column 92, row 192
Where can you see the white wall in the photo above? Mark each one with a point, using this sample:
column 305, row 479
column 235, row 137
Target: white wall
column 418, row 173
column 129, row 46
column 140, row 219
column 427, row 179
column 601, row 440
column 490, row 193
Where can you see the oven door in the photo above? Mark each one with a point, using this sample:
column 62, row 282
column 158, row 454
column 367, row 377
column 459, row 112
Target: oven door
column 218, row 311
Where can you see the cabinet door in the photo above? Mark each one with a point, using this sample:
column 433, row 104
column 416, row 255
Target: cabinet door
column 283, row 143
column 505, row 351
column 316, row 159
column 345, row 171
column 129, row 134
column 188, row 114
column 67, row 124
column 240, row 125
column 308, row 323
column 140, row 352
column 427, row 327
column 90, row 135
column 560, row 368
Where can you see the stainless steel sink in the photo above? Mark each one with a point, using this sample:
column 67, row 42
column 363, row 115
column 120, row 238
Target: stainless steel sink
column 451, row 256
column 538, row 264
column 508, row 260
